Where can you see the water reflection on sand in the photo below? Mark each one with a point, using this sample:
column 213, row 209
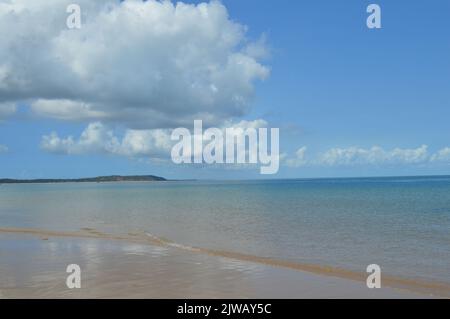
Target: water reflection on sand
column 32, row 267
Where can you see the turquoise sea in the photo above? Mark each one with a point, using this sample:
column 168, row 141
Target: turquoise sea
column 401, row 224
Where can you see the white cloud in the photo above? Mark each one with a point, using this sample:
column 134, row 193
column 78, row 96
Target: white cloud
column 442, row 155
column 299, row 159
column 141, row 64
column 244, row 124
column 98, row 138
column 95, row 138
column 364, row 156
column 66, row 110
column 373, row 156
column 3, row 149
column 154, row 143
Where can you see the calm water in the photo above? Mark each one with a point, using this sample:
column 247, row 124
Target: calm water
column 402, row 224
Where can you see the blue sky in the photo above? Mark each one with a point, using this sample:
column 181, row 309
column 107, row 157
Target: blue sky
column 335, row 87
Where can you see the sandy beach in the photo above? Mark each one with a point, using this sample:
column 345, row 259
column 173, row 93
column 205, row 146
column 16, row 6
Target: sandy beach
column 33, row 265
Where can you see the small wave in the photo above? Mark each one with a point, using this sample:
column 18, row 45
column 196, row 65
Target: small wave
column 172, row 244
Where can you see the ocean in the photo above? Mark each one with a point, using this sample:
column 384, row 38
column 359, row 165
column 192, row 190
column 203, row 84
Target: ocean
column 401, row 224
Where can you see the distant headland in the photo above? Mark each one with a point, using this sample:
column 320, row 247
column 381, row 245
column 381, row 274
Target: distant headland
column 99, row 179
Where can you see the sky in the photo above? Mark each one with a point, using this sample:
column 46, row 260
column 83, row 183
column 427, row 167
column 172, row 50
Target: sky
column 103, row 99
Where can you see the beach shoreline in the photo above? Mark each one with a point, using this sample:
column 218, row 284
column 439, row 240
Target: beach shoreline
column 122, row 256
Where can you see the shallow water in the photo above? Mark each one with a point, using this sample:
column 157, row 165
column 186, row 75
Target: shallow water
column 401, row 224
column 35, row 268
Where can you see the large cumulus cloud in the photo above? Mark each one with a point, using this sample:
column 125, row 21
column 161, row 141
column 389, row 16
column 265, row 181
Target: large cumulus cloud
column 142, row 64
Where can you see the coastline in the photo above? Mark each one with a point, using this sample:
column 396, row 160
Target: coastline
column 98, row 179
column 275, row 278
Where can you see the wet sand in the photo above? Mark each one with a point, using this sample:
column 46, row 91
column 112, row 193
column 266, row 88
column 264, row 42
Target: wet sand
column 33, row 265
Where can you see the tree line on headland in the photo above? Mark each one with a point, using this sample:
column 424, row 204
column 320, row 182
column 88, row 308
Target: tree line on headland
column 99, row 179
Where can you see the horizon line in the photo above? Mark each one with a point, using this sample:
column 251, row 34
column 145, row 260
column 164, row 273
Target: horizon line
column 74, row 179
